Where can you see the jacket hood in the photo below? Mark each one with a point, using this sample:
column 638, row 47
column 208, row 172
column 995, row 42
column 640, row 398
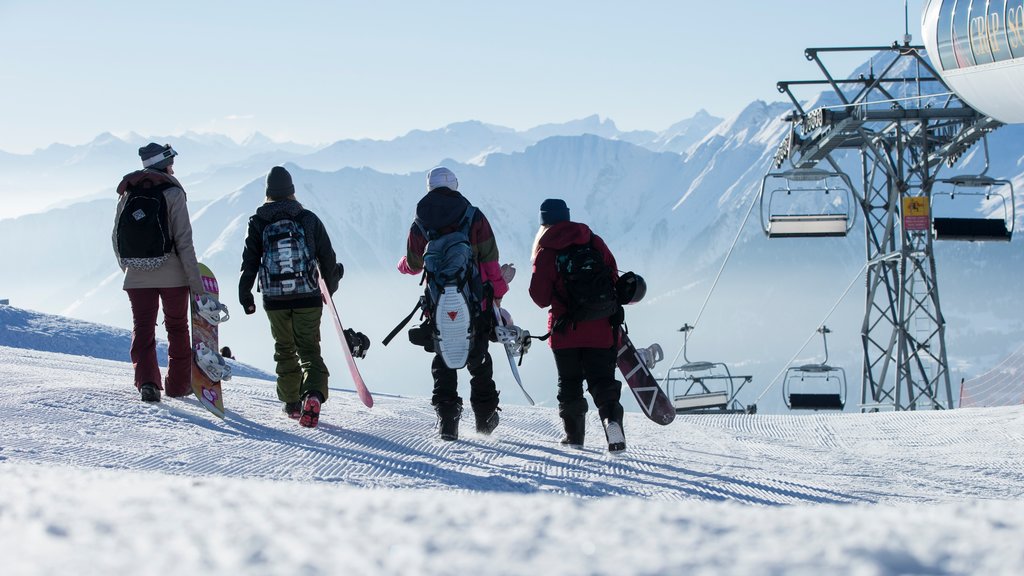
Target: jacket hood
column 565, row 234
column 271, row 211
column 440, row 208
column 142, row 177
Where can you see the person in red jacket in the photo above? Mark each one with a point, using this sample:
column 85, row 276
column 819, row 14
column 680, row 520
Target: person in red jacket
column 584, row 350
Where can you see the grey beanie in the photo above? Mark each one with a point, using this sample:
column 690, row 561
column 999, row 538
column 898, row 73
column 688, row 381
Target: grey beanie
column 279, row 183
column 157, row 156
column 553, row 211
column 441, row 177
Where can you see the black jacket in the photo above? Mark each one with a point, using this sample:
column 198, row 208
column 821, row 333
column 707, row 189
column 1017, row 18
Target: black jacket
column 319, row 245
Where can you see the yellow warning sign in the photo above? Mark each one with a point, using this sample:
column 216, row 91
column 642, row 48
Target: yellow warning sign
column 916, row 213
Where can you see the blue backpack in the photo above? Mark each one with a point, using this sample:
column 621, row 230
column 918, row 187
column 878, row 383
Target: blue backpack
column 454, row 291
column 287, row 269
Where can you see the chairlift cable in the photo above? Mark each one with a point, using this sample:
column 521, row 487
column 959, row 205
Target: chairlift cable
column 813, row 333
column 703, row 306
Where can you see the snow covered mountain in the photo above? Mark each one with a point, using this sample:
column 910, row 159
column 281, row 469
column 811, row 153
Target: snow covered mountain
column 214, row 164
column 59, row 173
column 93, row 481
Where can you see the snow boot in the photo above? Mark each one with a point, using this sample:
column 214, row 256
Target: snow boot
column 575, row 430
column 448, row 415
column 293, row 410
column 613, row 431
column 311, row 410
column 149, row 392
column 487, row 422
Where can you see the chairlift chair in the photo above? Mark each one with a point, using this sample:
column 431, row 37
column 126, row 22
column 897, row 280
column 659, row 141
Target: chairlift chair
column 815, row 386
column 703, row 386
column 978, row 190
column 807, row 203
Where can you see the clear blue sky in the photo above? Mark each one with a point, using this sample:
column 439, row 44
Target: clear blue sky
column 319, row 71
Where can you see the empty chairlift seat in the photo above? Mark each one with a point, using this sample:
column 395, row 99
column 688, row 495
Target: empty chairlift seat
column 973, row 208
column 806, row 203
column 703, row 386
column 815, row 386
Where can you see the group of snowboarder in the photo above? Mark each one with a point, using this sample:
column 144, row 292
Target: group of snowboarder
column 450, row 243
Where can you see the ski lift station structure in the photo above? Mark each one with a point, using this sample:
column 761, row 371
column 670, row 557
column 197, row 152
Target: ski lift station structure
column 906, row 125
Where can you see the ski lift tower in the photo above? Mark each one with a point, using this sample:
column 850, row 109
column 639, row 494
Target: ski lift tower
column 905, row 124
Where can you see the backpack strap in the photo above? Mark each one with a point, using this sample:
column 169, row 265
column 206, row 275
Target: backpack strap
column 387, row 340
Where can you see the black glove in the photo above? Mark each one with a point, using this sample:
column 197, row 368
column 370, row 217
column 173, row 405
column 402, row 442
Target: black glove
column 618, row 317
column 334, row 279
column 247, row 302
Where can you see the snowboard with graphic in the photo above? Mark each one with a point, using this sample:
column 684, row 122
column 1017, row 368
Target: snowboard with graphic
column 357, row 378
column 203, row 332
column 653, row 401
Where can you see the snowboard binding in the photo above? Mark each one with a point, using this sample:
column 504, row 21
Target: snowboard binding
column 651, row 355
column 211, row 363
column 516, row 338
column 358, row 343
column 211, row 310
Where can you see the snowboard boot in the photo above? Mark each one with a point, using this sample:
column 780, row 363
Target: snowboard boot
column 149, row 392
column 311, row 410
column 613, row 431
column 448, row 415
column 575, row 430
column 487, row 422
column 293, row 410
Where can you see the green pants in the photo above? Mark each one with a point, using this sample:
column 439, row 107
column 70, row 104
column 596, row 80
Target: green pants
column 300, row 366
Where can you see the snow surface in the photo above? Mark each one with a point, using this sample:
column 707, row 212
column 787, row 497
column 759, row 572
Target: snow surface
column 93, row 481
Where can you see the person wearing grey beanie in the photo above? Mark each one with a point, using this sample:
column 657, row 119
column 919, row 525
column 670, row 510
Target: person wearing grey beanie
column 444, row 210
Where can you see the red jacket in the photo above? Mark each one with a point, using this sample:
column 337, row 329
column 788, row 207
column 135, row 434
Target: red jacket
column 547, row 288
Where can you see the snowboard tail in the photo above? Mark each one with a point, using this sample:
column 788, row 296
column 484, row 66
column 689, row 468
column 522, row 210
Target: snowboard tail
column 453, row 321
column 653, row 401
column 357, row 378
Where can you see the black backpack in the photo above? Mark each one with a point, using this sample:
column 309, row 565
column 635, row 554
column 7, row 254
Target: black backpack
column 143, row 233
column 588, row 284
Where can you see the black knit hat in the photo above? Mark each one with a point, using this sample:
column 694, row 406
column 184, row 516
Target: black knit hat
column 157, row 156
column 553, row 211
column 279, row 183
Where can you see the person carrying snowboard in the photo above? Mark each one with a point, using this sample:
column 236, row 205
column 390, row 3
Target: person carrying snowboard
column 574, row 273
column 153, row 244
column 444, row 213
column 287, row 246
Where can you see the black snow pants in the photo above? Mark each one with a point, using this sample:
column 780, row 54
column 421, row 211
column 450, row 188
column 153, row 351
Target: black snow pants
column 597, row 367
column 483, row 395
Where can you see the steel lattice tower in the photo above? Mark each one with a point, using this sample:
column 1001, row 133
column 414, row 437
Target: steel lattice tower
column 905, row 124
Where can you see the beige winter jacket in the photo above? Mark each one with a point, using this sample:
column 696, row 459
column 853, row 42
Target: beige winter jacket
column 182, row 267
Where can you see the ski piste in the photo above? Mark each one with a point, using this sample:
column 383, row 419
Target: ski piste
column 511, row 358
column 361, row 389
column 205, row 332
column 653, row 401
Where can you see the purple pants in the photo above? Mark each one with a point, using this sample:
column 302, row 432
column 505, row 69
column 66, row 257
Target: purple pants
column 146, row 302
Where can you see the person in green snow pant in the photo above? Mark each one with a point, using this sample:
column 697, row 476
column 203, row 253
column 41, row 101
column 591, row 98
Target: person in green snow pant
column 300, row 366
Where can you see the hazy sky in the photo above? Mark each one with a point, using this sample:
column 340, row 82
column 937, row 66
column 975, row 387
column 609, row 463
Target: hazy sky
column 319, row 71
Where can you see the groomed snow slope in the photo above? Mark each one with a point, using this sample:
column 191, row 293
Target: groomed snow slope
column 92, row 481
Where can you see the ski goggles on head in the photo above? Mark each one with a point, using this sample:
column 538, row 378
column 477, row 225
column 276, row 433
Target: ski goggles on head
column 167, row 153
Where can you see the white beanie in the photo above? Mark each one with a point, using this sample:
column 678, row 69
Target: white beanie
column 441, row 177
